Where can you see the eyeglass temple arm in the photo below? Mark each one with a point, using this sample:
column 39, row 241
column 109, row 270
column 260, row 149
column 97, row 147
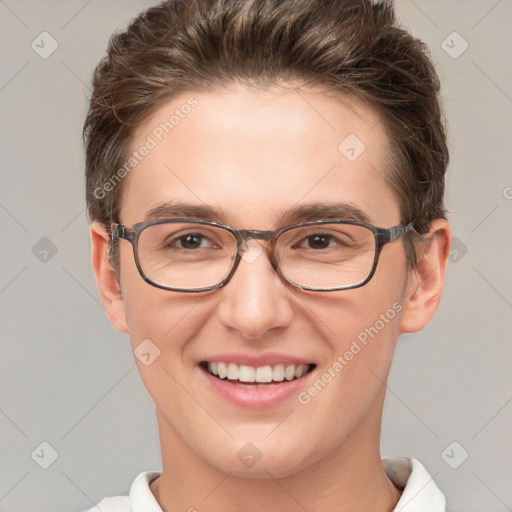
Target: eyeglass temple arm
column 117, row 231
column 388, row 235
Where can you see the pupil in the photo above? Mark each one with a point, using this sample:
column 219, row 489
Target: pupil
column 191, row 241
column 318, row 241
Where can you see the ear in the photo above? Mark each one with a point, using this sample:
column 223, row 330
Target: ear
column 109, row 289
column 425, row 282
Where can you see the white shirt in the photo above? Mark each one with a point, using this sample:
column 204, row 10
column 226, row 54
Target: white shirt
column 420, row 493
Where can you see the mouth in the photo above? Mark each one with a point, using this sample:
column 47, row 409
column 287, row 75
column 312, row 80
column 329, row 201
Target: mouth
column 251, row 376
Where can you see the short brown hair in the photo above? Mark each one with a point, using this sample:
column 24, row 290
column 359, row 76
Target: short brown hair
column 352, row 47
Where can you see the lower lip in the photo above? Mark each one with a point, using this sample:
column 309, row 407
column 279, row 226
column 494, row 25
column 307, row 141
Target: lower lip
column 254, row 396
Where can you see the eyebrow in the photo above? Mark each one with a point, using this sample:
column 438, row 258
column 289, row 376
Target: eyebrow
column 293, row 215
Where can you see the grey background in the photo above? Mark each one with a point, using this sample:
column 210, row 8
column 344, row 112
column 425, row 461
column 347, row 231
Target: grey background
column 69, row 379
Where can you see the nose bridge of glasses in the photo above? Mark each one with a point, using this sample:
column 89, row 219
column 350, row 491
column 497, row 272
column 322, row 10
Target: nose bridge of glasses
column 256, row 234
column 253, row 234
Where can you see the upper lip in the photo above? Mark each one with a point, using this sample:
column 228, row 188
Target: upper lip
column 266, row 359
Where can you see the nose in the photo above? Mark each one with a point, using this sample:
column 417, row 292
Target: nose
column 256, row 300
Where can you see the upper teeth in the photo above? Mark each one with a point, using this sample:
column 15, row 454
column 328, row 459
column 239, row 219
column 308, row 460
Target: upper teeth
column 267, row 373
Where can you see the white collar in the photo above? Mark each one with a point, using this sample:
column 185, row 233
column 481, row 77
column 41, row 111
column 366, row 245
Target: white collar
column 420, row 492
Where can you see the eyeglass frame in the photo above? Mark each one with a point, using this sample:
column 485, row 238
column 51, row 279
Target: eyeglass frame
column 382, row 236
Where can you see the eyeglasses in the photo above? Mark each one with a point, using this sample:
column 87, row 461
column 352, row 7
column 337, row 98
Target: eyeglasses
column 196, row 255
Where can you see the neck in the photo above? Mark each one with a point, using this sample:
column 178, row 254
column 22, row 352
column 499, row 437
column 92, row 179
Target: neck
column 350, row 478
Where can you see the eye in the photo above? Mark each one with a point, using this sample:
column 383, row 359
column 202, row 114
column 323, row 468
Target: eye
column 318, row 241
column 189, row 241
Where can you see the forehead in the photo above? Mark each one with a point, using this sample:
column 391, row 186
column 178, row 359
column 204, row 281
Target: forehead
column 254, row 154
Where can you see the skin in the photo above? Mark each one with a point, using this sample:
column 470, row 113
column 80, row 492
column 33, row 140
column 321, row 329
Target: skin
column 240, row 149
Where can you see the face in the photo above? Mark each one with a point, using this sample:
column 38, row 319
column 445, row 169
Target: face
column 253, row 155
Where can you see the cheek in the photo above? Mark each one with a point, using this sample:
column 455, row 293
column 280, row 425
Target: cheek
column 160, row 328
column 150, row 311
column 169, row 319
column 351, row 385
column 348, row 315
column 361, row 327
column 165, row 325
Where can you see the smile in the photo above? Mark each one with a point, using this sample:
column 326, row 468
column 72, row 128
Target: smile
column 261, row 375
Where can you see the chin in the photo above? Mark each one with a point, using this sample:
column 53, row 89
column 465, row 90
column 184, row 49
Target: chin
column 267, row 463
column 263, row 471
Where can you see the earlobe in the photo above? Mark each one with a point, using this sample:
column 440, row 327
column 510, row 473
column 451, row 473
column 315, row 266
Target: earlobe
column 426, row 281
column 108, row 286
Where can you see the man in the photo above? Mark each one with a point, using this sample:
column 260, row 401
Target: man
column 265, row 182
